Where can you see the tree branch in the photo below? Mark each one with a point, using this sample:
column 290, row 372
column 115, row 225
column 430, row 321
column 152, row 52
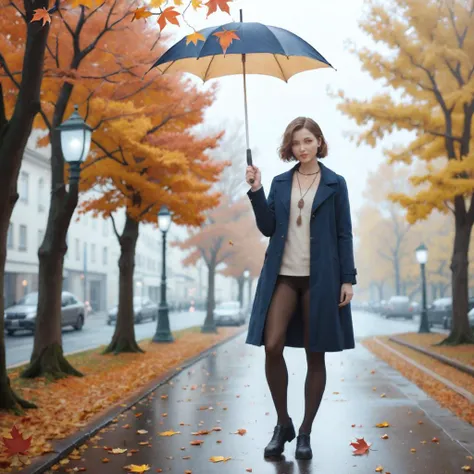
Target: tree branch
column 9, row 74
column 114, row 227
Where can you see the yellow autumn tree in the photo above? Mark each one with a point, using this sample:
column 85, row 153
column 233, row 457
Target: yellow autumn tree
column 427, row 58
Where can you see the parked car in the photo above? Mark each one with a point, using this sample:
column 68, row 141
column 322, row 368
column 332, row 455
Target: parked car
column 22, row 315
column 448, row 316
column 398, row 307
column 229, row 313
column 143, row 308
column 439, row 310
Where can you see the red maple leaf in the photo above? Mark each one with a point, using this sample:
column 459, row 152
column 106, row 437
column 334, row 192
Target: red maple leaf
column 41, row 14
column 361, row 447
column 213, row 4
column 226, row 37
column 169, row 15
column 16, row 444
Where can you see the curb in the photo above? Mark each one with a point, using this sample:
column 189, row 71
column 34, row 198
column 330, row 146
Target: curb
column 459, row 390
column 65, row 446
column 446, row 360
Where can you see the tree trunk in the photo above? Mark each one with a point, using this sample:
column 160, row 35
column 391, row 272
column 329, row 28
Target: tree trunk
column 460, row 333
column 14, row 134
column 240, row 286
column 209, row 323
column 123, row 339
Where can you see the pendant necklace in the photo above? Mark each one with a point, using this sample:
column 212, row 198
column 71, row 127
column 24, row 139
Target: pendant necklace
column 301, row 201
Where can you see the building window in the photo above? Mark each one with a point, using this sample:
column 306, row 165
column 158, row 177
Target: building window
column 94, row 222
column 40, row 237
column 10, row 236
column 92, row 252
column 23, row 238
column 78, row 250
column 24, row 187
column 41, row 196
column 104, row 256
column 105, row 228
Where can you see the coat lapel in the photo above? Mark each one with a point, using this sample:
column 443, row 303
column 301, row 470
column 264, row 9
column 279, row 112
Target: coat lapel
column 325, row 189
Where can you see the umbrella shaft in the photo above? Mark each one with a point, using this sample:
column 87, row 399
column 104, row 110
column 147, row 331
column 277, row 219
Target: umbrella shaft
column 245, row 103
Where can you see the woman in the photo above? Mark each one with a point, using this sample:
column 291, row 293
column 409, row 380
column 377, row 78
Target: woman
column 305, row 286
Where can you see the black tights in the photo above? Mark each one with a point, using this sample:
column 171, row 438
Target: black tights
column 284, row 301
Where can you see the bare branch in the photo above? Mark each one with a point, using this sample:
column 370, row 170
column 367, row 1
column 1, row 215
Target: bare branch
column 9, row 74
column 20, row 12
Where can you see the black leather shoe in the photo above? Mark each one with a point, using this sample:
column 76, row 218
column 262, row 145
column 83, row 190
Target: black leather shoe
column 303, row 447
column 281, row 434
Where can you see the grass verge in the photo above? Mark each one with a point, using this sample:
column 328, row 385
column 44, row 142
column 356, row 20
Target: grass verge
column 443, row 395
column 66, row 405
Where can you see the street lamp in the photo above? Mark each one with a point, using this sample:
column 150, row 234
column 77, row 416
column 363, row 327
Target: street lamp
column 75, row 143
column 163, row 333
column 422, row 258
column 246, row 279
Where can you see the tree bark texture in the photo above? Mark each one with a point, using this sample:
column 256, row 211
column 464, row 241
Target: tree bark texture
column 14, row 134
column 460, row 333
column 123, row 339
column 209, row 323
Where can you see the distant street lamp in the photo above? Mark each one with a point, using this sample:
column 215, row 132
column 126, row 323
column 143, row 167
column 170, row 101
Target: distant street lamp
column 163, row 333
column 422, row 258
column 76, row 138
column 246, row 276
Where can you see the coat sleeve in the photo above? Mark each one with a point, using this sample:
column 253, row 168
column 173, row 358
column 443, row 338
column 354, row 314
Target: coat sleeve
column 264, row 210
column 344, row 234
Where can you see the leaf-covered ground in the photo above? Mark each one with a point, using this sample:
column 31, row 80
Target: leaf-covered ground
column 67, row 405
column 438, row 391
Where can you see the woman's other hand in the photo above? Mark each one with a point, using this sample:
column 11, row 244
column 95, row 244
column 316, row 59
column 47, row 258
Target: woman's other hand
column 346, row 294
column 253, row 173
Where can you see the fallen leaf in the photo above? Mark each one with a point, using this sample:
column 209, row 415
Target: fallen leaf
column 466, row 468
column 379, row 469
column 435, row 440
column 219, row 459
column 240, row 431
column 413, row 450
column 16, row 444
column 249, row 469
column 361, row 447
column 105, row 460
column 142, row 431
column 169, row 433
column 384, row 424
column 385, row 436
column 196, row 442
column 136, row 468
column 118, row 451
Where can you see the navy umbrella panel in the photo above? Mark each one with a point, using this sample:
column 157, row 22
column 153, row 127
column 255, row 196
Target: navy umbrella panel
column 268, row 50
column 260, row 49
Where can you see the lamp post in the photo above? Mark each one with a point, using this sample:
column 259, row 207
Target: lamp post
column 76, row 138
column 422, row 258
column 246, row 276
column 163, row 333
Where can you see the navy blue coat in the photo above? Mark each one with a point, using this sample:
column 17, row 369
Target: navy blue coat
column 331, row 262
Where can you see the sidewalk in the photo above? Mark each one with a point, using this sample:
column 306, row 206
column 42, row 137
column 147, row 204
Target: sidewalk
column 228, row 390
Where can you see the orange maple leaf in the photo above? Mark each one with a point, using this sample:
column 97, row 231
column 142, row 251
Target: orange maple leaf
column 213, row 4
column 41, row 14
column 194, row 38
column 361, row 447
column 226, row 37
column 140, row 13
column 169, row 15
column 16, row 444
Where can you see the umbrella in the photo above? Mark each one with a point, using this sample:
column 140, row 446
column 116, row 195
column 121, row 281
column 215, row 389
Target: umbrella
column 241, row 48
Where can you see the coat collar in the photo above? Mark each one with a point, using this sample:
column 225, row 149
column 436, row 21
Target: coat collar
column 325, row 189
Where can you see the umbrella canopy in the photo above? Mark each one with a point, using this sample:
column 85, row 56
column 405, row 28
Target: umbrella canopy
column 269, row 50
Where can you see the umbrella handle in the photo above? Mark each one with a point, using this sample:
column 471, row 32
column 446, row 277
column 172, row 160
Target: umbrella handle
column 249, row 162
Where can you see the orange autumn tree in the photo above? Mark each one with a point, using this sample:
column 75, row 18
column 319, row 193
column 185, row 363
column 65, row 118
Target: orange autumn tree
column 248, row 256
column 146, row 162
column 214, row 243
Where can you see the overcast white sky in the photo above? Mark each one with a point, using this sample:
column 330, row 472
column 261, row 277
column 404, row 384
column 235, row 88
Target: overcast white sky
column 272, row 103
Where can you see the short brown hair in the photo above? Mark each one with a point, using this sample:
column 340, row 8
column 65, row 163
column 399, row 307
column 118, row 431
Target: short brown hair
column 299, row 123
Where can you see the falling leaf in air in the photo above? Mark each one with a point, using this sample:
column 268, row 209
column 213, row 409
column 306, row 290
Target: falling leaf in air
column 118, row 451
column 361, row 447
column 219, row 459
column 384, row 424
column 226, row 37
column 41, row 14
column 169, row 433
column 194, row 38
column 169, row 15
column 213, row 4
column 136, row 468
column 16, row 444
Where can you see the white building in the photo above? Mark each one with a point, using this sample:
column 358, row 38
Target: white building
column 91, row 263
